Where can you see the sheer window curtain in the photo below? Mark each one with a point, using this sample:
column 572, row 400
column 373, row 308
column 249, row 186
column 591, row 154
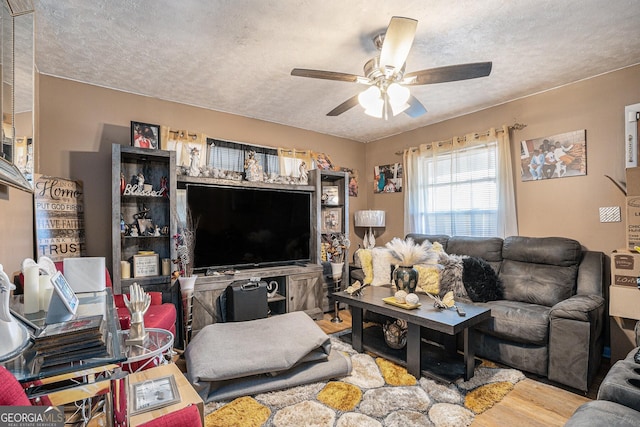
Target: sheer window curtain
column 448, row 189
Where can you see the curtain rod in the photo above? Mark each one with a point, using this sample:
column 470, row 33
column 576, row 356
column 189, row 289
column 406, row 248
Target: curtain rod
column 515, row 126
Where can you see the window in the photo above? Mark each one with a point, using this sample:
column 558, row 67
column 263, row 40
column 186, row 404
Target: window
column 456, row 192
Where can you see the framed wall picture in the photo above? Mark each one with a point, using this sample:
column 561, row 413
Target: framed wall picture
column 145, row 135
column 556, row 156
column 145, row 265
column 153, row 394
column 331, row 221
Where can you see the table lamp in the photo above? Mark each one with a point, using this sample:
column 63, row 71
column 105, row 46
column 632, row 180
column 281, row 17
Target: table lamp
column 369, row 218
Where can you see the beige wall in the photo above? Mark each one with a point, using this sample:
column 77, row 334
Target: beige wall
column 565, row 207
column 78, row 123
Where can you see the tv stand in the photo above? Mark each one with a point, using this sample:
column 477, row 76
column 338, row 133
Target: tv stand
column 299, row 289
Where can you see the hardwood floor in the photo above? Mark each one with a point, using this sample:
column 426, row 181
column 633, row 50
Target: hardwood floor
column 533, row 402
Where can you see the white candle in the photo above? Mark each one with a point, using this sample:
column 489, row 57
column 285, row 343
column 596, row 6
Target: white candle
column 45, row 291
column 125, row 268
column 31, row 285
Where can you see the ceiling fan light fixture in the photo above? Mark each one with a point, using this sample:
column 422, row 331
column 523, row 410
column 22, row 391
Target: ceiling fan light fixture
column 370, row 98
column 398, row 95
column 397, row 109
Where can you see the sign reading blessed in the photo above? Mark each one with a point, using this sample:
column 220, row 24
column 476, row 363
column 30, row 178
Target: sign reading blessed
column 59, row 212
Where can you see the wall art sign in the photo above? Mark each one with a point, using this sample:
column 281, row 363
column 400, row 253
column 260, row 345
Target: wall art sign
column 556, row 156
column 59, row 212
column 145, row 135
column 387, row 178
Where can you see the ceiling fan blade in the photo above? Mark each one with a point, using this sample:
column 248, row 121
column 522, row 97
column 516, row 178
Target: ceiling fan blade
column 346, row 105
column 416, row 109
column 397, row 42
column 449, row 73
column 327, row 75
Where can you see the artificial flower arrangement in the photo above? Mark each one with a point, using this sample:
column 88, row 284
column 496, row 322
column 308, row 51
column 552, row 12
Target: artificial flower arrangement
column 338, row 247
column 408, row 253
column 185, row 241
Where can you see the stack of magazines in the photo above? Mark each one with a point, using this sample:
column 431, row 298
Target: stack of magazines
column 71, row 341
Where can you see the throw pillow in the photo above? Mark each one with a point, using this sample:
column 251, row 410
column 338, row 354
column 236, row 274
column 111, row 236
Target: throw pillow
column 451, row 276
column 381, row 267
column 365, row 259
column 428, row 278
column 480, row 280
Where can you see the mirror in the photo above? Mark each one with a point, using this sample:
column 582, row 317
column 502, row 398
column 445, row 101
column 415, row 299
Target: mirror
column 17, row 53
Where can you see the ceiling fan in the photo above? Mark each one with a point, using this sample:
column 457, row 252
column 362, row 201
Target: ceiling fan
column 385, row 75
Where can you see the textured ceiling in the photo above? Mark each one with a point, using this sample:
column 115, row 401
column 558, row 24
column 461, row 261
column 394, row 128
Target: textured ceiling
column 236, row 55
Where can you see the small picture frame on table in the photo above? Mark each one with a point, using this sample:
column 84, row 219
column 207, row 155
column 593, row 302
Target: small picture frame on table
column 153, row 394
column 145, row 135
column 145, row 265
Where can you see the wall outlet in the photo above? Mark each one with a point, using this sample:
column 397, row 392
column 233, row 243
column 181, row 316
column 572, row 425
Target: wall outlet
column 610, row 214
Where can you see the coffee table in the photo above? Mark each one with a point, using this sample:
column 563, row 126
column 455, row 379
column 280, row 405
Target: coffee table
column 418, row 357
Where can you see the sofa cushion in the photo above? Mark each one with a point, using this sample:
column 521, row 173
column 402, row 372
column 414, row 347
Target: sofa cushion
column 539, row 270
column 517, row 321
column 487, row 248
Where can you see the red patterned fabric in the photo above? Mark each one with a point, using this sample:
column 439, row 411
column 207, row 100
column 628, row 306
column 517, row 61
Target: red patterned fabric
column 11, row 392
column 185, row 417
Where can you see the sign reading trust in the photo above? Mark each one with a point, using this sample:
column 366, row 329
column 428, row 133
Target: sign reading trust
column 59, row 212
column 31, row 416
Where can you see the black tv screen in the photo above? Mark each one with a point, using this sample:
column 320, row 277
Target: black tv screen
column 239, row 227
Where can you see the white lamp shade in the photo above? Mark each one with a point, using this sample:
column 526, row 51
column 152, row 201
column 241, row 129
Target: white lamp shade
column 369, row 218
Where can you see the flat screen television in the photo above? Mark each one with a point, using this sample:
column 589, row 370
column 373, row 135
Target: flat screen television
column 238, row 227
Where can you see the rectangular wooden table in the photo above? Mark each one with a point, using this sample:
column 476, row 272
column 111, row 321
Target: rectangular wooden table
column 188, row 395
column 426, row 316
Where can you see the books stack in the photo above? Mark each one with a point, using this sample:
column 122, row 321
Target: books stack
column 71, row 341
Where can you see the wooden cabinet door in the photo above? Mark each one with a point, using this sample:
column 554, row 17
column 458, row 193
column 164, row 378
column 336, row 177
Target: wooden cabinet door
column 303, row 292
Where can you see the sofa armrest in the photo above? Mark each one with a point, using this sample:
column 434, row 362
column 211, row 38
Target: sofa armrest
column 591, row 275
column 585, row 308
column 576, row 340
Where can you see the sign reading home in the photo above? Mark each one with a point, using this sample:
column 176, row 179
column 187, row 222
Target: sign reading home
column 59, row 211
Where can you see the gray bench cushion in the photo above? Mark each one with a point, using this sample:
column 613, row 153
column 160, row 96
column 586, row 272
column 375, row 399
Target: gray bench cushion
column 517, row 321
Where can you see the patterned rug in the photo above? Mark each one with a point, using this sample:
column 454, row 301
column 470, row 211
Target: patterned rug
column 377, row 393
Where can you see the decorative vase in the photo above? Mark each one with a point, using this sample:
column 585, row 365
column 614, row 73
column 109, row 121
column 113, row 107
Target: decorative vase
column 406, row 278
column 336, row 270
column 187, row 285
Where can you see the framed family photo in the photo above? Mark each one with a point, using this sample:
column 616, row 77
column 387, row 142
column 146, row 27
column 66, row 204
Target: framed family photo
column 145, row 135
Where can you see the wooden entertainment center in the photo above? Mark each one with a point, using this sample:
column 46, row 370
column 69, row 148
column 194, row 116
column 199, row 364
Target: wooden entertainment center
column 300, row 286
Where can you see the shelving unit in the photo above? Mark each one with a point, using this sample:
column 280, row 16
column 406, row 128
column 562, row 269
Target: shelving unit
column 331, row 211
column 151, row 208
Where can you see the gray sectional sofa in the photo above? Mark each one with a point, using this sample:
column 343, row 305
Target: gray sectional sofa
column 618, row 402
column 551, row 320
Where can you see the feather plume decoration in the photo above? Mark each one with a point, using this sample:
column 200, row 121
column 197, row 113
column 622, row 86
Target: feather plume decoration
column 408, row 253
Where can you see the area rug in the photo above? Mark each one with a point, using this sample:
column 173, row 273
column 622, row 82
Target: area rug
column 377, row 393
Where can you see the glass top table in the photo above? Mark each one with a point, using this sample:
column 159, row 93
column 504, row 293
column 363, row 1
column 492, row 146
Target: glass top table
column 152, row 352
column 26, row 367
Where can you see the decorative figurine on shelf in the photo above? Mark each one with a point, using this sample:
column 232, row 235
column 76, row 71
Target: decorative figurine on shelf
column 156, row 231
column 194, row 166
column 14, row 335
column 133, row 230
column 253, row 171
column 138, row 303
column 164, row 186
column 304, row 176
